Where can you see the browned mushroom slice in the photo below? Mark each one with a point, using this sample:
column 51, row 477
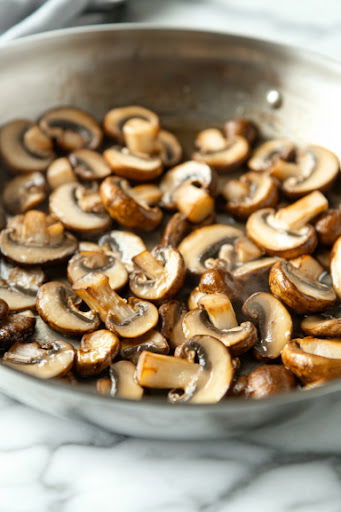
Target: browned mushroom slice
column 128, row 318
column 123, row 207
column 35, row 238
column 219, row 281
column 18, row 150
column 286, row 232
column 48, row 360
column 267, row 153
column 325, row 325
column 159, row 275
column 243, row 128
column 194, row 202
column 300, row 289
column 97, row 260
column 139, row 167
column 169, row 148
column 79, row 209
column 89, row 165
column 273, row 321
column 205, row 243
column 4, row 309
column 122, row 383
column 328, row 226
column 266, row 380
column 153, row 341
column 194, row 298
column 24, row 192
column 148, row 193
column 171, row 315
column 335, row 266
column 203, row 382
column 124, row 245
column 316, row 169
column 63, row 310
column 115, row 120
column 96, row 352
column 59, row 172
column 313, row 359
column 19, row 286
column 218, row 152
column 175, row 230
column 72, row 128
column 15, row 328
column 249, row 193
column 255, row 269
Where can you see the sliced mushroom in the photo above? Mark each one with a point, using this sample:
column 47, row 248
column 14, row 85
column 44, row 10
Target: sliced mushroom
column 71, row 128
column 63, row 310
column 115, row 120
column 89, row 165
column 219, row 281
column 128, row 318
column 316, row 169
column 255, row 270
column 148, row 193
column 172, row 314
column 194, row 202
column 97, row 260
column 47, row 360
column 249, row 193
column 313, row 359
column 4, row 309
column 286, row 232
column 159, row 275
column 175, row 230
column 119, row 201
column 24, row 192
column 335, row 266
column 269, row 152
column 96, row 352
column 328, row 226
column 124, row 245
column 299, row 288
column 273, row 321
column 15, row 328
column 243, row 128
column 325, row 325
column 134, row 167
column 35, row 238
column 19, row 286
column 169, row 148
column 216, row 317
column 203, row 382
column 59, row 172
column 194, row 298
column 79, row 209
column 122, row 383
column 219, row 152
column 24, row 148
column 153, row 341
column 267, row 380
column 205, row 243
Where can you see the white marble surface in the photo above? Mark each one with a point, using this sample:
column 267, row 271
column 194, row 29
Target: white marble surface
column 52, row 465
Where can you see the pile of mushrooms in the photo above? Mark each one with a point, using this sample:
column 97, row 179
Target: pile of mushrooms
column 199, row 276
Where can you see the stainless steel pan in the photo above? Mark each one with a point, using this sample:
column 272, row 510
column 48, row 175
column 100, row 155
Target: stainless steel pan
column 192, row 79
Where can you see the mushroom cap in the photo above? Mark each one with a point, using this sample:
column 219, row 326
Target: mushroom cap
column 24, row 192
column 328, row 226
column 175, row 230
column 71, row 128
column 159, row 274
column 205, row 243
column 267, row 153
column 242, row 127
column 15, row 328
column 96, row 352
column 325, row 325
column 267, row 380
column 115, row 119
column 298, row 290
column 58, row 306
column 335, row 266
column 89, row 165
column 170, row 150
column 134, row 167
column 171, row 314
column 273, row 321
column 124, row 245
column 215, row 280
column 65, row 205
column 229, row 157
column 121, row 206
column 19, row 286
column 153, row 341
column 48, row 360
column 14, row 151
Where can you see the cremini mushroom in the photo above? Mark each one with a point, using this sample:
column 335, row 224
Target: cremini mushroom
column 14, row 328
column 316, row 169
column 153, row 341
column 265, row 155
column 24, row 148
column 216, row 317
column 71, row 128
column 24, row 192
column 159, row 274
column 124, row 245
column 204, row 382
column 325, row 325
column 59, row 172
column 119, row 201
column 121, row 383
column 172, row 314
column 19, row 286
column 328, row 226
column 89, row 165
column 136, row 167
column 116, row 119
column 313, row 359
column 96, row 352
column 266, row 380
column 63, row 310
column 43, row 360
column 128, row 318
column 97, row 259
column 249, row 193
column 79, row 209
column 273, row 321
column 243, row 128
column 168, row 148
column 335, row 266
column 35, row 238
column 286, row 232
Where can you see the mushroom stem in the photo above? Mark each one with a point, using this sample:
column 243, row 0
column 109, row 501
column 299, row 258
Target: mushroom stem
column 149, row 194
column 149, row 265
column 194, row 202
column 298, row 214
column 140, row 135
column 210, row 140
column 283, row 170
column 33, row 228
column 220, row 310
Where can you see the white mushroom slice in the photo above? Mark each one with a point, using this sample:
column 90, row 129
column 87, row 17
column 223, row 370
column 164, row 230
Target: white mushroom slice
column 122, row 383
column 78, row 210
column 139, row 167
column 18, row 286
column 60, row 172
column 169, row 148
column 98, row 260
column 15, row 152
column 203, row 382
column 159, row 275
column 153, row 341
column 205, row 243
column 62, row 310
column 116, row 118
column 71, row 128
column 89, row 165
column 128, row 318
column 335, row 266
column 46, row 361
column 273, row 321
column 24, row 192
column 35, row 238
column 124, row 245
column 96, row 352
column 325, row 325
column 171, row 314
column 267, row 153
column 140, row 135
column 316, row 169
column 220, row 153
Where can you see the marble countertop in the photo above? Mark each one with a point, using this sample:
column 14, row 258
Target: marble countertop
column 49, row 464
